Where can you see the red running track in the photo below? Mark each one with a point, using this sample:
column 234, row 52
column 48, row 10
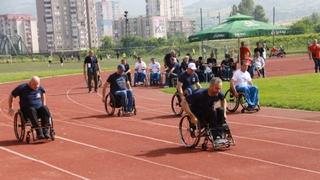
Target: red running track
column 272, row 144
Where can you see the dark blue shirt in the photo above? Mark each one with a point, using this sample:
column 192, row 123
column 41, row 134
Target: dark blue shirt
column 188, row 81
column 91, row 63
column 201, row 103
column 28, row 97
column 117, row 82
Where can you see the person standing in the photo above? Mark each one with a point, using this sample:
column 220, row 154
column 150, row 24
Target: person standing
column 245, row 52
column 127, row 70
column 314, row 54
column 91, row 69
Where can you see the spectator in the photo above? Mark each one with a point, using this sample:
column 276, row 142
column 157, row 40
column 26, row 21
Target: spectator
column 140, row 72
column 314, row 54
column 245, row 52
column 91, row 69
column 201, row 68
column 191, row 60
column 127, row 70
column 259, row 49
column 154, row 67
column 226, row 67
column 184, row 64
column 258, row 64
column 172, row 73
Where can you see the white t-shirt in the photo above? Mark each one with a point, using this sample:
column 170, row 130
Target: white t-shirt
column 241, row 78
column 259, row 63
column 155, row 68
column 140, row 67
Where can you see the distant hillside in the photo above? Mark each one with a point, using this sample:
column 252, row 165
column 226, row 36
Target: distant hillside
column 286, row 10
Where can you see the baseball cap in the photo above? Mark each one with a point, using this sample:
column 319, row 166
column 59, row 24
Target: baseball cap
column 192, row 66
column 121, row 67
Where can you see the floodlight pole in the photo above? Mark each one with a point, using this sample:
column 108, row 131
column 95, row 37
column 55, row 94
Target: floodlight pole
column 274, row 19
column 201, row 26
column 88, row 24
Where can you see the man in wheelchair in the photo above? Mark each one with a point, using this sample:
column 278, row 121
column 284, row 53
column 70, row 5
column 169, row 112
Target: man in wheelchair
column 120, row 87
column 201, row 106
column 188, row 81
column 32, row 105
column 241, row 82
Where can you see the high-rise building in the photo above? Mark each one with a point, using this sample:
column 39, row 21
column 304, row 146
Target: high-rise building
column 146, row 27
column 107, row 12
column 21, row 25
column 170, row 9
column 66, row 25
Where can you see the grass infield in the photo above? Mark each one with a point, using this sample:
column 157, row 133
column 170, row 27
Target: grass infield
column 291, row 92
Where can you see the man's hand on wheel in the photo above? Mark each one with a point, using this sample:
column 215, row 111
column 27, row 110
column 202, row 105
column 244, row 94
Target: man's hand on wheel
column 11, row 111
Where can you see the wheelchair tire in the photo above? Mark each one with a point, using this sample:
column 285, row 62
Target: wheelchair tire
column 232, row 101
column 190, row 136
column 19, row 126
column 109, row 104
column 176, row 105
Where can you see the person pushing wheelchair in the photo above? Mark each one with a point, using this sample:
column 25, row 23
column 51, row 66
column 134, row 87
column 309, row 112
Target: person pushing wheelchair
column 201, row 106
column 32, row 105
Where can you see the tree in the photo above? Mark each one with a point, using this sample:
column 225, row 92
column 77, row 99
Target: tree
column 259, row 14
column 246, row 7
column 234, row 10
column 107, row 43
column 308, row 24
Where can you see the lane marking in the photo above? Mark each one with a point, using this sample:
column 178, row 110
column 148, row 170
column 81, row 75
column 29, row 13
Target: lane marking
column 43, row 163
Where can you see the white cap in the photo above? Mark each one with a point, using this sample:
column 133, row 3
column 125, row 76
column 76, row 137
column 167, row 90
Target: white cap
column 192, row 66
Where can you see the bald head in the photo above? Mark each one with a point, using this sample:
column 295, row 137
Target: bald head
column 34, row 83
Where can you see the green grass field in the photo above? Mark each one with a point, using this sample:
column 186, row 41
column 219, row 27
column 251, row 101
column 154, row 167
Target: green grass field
column 294, row 92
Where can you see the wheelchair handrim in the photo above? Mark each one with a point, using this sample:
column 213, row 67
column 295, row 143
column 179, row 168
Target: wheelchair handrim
column 185, row 133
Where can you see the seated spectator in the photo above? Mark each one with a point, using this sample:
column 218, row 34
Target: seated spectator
column 201, row 69
column 140, row 72
column 154, row 68
column 172, row 73
column 212, row 63
column 184, row 64
column 273, row 51
column 127, row 70
column 226, row 67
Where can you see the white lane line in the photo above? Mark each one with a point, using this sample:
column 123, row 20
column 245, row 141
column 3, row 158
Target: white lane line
column 171, row 126
column 276, row 117
column 285, row 118
column 43, row 163
column 137, row 158
column 224, row 153
column 276, row 128
column 272, row 163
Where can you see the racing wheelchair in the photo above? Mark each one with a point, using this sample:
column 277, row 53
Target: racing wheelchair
column 233, row 102
column 191, row 134
column 112, row 103
column 23, row 128
column 176, row 104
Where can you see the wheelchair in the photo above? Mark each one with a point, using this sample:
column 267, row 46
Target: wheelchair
column 23, row 128
column 176, row 104
column 112, row 103
column 191, row 134
column 233, row 102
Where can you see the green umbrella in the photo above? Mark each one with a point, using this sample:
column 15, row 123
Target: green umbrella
column 238, row 26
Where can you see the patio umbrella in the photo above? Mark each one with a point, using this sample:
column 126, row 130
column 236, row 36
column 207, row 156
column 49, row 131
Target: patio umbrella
column 236, row 27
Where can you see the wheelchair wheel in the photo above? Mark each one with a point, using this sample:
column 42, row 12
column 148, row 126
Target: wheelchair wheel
column 189, row 133
column 19, row 126
column 52, row 132
column 176, row 105
column 232, row 101
column 109, row 104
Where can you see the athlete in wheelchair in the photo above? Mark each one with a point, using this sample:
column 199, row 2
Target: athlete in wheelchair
column 33, row 112
column 205, row 119
column 188, row 82
column 242, row 92
column 120, row 95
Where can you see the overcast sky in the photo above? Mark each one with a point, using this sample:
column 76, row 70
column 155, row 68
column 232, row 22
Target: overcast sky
column 135, row 7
